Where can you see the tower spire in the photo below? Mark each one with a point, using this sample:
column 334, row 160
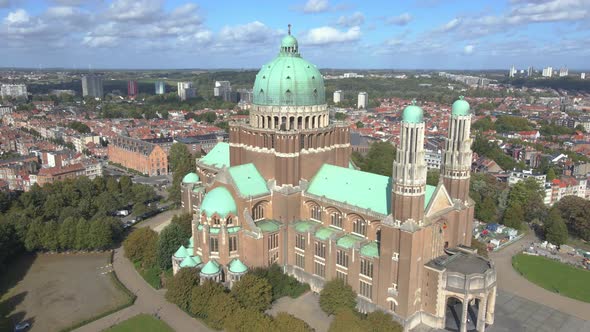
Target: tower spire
column 289, row 25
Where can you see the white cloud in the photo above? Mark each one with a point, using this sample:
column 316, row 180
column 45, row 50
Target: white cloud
column 251, row 33
column 468, row 49
column 355, row 19
column 402, row 19
column 316, row 6
column 328, row 35
column 18, row 17
column 135, row 10
column 450, row 25
column 100, row 41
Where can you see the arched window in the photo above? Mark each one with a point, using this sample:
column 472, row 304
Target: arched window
column 216, row 220
column 316, row 213
column 229, row 220
column 359, row 226
column 258, row 212
column 336, row 219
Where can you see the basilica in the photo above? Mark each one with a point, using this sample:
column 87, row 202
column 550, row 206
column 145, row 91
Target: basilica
column 284, row 191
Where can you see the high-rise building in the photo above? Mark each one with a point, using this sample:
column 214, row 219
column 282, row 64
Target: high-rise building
column 363, row 99
column 337, row 96
column 548, row 72
column 583, row 76
column 160, row 87
column 563, row 71
column 245, row 95
column 282, row 192
column 530, row 71
column 13, row 91
column 132, row 89
column 186, row 90
column 222, row 89
column 92, row 86
column 512, row 71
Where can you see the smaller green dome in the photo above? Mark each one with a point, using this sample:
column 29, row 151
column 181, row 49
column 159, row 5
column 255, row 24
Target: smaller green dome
column 413, row 113
column 210, row 268
column 289, row 41
column 220, row 201
column 460, row 107
column 190, row 178
column 182, row 252
column 236, row 266
column 188, row 262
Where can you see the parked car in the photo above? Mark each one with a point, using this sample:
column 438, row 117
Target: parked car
column 22, row 327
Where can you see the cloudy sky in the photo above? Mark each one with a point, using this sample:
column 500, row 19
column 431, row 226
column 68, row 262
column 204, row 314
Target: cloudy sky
column 440, row 34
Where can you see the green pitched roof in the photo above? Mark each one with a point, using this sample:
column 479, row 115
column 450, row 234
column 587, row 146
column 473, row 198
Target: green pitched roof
column 268, row 225
column 190, row 178
column 460, row 107
column 234, row 229
column 248, row 180
column 428, row 194
column 218, row 156
column 220, row 201
column 191, row 243
column 324, row 233
column 370, row 249
column 413, row 113
column 212, row 267
column 305, row 225
column 357, row 188
column 236, row 266
column 214, row 230
column 182, row 252
column 188, row 262
column 351, row 165
column 348, row 241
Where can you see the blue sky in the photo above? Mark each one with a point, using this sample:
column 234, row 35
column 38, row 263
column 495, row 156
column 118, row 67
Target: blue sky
column 422, row 34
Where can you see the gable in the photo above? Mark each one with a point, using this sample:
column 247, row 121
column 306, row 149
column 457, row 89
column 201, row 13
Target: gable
column 248, row 180
column 440, row 201
column 218, row 157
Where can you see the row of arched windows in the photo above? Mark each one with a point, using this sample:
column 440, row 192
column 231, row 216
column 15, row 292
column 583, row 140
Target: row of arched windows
column 359, row 225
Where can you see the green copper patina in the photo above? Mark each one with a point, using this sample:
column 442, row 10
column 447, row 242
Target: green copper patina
column 460, row 107
column 218, row 157
column 220, row 201
column 289, row 80
column 236, row 266
column 413, row 113
column 212, row 267
column 190, row 178
column 248, row 180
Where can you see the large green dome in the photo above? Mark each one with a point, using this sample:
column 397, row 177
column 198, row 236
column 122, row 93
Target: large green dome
column 460, row 107
column 220, row 201
column 289, row 80
column 413, row 113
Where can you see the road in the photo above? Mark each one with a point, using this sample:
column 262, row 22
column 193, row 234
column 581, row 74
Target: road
column 511, row 281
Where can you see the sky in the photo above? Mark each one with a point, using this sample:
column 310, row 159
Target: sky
column 369, row 34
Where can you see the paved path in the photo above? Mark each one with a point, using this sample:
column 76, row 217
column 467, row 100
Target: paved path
column 511, row 281
column 149, row 301
column 306, row 307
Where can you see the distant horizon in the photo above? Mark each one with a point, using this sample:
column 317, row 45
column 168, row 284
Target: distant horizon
column 338, row 34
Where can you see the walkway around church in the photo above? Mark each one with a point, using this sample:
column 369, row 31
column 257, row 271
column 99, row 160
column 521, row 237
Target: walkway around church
column 149, row 301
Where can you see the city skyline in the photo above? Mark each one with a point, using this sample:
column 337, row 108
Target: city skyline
column 158, row 34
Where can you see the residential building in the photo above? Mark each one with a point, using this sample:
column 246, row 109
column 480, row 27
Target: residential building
column 52, row 174
column 583, row 76
column 548, row 72
column 144, row 157
column 517, row 176
column 13, row 91
column 565, row 186
column 16, row 171
column 92, row 86
column 160, row 87
column 186, row 90
column 282, row 192
column 563, row 72
column 132, row 89
column 363, row 99
column 5, row 109
column 433, row 159
column 337, row 96
column 245, row 96
column 530, row 71
column 222, row 89
column 202, row 143
column 512, row 72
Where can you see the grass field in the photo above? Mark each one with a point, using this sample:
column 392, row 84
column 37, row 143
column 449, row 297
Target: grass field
column 150, row 275
column 143, row 323
column 554, row 276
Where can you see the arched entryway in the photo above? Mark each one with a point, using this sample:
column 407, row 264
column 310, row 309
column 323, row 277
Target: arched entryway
column 453, row 313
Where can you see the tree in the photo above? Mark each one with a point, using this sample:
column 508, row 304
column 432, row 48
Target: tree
column 100, row 235
column 285, row 322
column 253, row 292
column 49, row 240
column 432, row 177
column 551, row 175
column 82, row 228
column 9, row 243
column 141, row 245
column 359, row 124
column 337, row 296
column 180, row 286
column 34, row 235
column 481, row 247
column 555, row 228
column 379, row 321
column 575, row 211
column 219, row 309
column 178, row 154
column 513, row 217
column 185, row 221
column 379, row 159
column 246, row 320
column 347, row 320
column 170, row 239
column 201, row 297
column 339, row 116
column 486, row 211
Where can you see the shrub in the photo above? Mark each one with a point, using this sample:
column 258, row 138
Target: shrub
column 180, row 287
column 285, row 322
column 253, row 292
column 337, row 296
column 282, row 284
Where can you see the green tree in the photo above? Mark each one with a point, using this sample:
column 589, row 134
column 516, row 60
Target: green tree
column 34, row 236
column 337, row 296
column 281, row 283
column 253, row 292
column 100, row 235
column 348, row 320
column 379, row 321
column 9, row 243
column 379, row 159
column 170, row 239
column 178, row 154
column 481, row 247
column 246, row 320
column 575, row 211
column 141, row 245
column 513, row 217
column 551, row 175
column 49, row 239
column 82, row 228
column 359, row 124
column 339, row 116
column 486, row 211
column 202, row 295
column 432, row 177
column 185, row 221
column 285, row 322
column 180, row 286
column 555, row 228
column 219, row 309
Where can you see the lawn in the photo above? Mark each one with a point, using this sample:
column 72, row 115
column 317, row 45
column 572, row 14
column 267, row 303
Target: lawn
column 554, row 276
column 150, row 275
column 143, row 323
